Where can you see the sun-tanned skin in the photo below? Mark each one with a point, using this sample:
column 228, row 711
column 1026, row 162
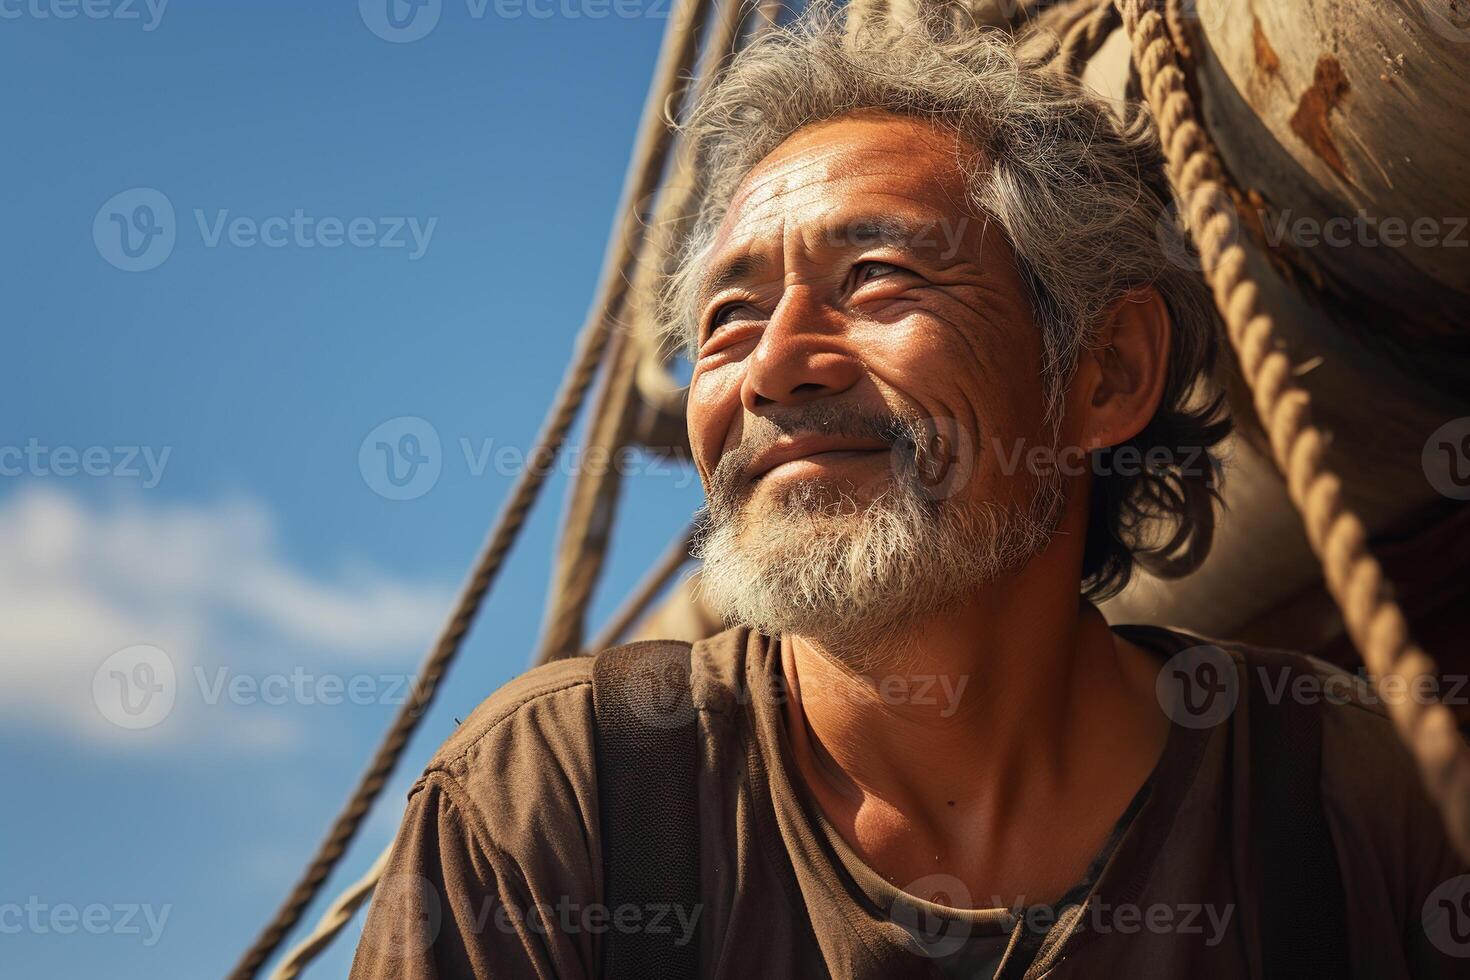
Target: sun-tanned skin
column 1015, row 790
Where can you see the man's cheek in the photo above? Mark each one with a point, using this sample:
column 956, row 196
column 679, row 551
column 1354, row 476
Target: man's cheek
column 714, row 400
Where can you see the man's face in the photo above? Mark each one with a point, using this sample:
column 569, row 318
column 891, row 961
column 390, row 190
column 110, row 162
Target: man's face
column 865, row 345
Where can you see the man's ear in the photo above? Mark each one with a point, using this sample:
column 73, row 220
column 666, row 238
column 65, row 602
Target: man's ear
column 1126, row 369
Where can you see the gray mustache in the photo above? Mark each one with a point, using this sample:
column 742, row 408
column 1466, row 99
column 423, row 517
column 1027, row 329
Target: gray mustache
column 905, row 438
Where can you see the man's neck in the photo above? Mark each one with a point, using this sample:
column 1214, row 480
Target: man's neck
column 996, row 744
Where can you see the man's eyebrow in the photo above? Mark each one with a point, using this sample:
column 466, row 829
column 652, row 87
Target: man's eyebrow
column 861, row 232
column 899, row 233
column 731, row 271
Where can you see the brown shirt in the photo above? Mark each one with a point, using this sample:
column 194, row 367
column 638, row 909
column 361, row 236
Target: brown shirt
column 496, row 869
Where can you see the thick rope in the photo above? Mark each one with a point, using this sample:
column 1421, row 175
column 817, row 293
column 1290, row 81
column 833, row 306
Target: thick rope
column 675, row 556
column 592, row 501
column 1084, row 37
column 591, row 505
column 650, row 155
column 355, row 895
column 426, row 685
column 333, row 920
column 1353, row 576
column 1175, row 17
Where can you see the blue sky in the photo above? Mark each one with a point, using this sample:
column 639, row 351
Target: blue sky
column 180, row 445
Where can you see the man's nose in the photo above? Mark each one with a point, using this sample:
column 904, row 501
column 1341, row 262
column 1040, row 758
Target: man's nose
column 803, row 354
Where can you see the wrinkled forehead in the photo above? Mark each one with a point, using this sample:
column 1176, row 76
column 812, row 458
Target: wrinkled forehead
column 829, row 173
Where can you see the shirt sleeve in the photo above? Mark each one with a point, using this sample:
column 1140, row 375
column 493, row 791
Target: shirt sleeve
column 452, row 906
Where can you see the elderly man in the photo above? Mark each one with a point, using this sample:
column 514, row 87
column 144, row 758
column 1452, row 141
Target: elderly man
column 947, row 391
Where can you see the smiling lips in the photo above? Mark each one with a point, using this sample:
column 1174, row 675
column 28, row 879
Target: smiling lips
column 813, row 449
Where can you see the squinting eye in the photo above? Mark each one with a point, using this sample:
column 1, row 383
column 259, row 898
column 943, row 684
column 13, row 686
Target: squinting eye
column 732, row 312
column 868, row 271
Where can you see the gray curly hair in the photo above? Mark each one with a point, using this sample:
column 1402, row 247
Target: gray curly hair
column 1080, row 197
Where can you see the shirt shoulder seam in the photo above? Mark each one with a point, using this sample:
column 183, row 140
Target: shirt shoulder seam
column 457, row 763
column 478, row 827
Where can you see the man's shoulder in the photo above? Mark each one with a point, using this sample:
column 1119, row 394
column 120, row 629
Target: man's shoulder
column 1353, row 708
column 1382, row 817
column 1358, row 737
column 1370, row 782
column 1277, row 674
column 521, row 765
column 540, row 726
column 550, row 703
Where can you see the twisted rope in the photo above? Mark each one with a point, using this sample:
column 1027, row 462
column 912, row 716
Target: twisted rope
column 650, row 154
column 593, row 498
column 445, row 649
column 636, row 604
column 1175, row 17
column 1339, row 538
column 333, row 920
column 355, row 895
column 1084, row 37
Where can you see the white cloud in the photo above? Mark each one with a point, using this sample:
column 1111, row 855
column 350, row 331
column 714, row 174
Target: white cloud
column 206, row 585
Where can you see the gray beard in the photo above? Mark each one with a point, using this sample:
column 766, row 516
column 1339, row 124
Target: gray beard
column 853, row 575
